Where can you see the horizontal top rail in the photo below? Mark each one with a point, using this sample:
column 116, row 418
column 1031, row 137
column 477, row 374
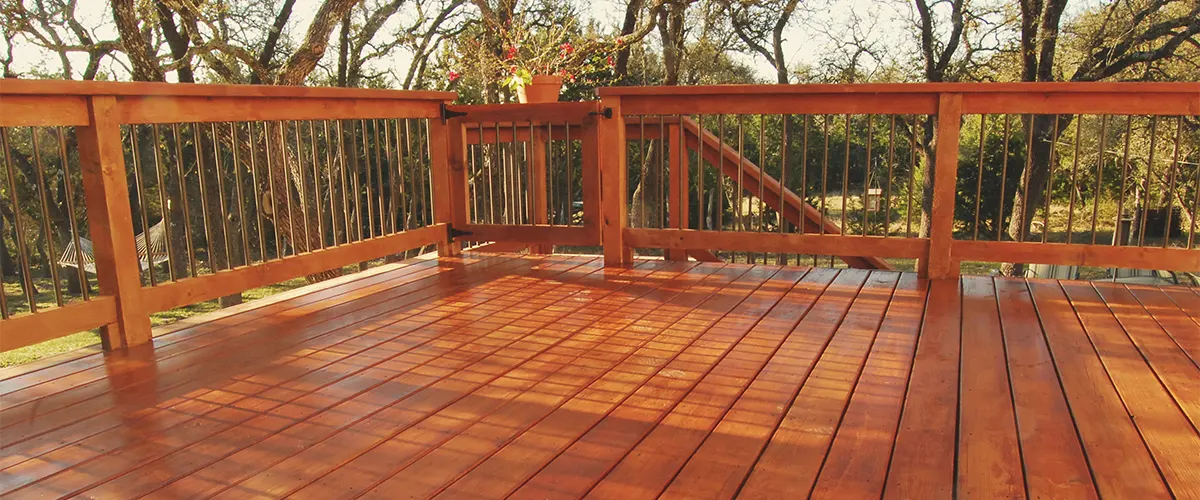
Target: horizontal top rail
column 92, row 88
column 507, row 114
column 907, row 88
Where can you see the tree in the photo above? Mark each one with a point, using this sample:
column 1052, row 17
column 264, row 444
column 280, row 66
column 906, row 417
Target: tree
column 1121, row 40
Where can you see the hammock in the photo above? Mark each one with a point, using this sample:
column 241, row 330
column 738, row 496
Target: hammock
column 84, row 256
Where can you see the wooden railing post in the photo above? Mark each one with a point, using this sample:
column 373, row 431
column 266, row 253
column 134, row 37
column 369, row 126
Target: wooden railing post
column 110, row 223
column 940, row 263
column 614, row 183
column 448, row 157
column 678, row 194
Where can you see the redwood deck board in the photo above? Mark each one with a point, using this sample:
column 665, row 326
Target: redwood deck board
column 506, row 376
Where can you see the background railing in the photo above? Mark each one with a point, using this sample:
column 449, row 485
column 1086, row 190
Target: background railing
column 129, row 199
column 812, row 171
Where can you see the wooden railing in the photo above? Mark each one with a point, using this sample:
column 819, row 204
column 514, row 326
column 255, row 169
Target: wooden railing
column 289, row 182
column 286, row 182
column 779, row 208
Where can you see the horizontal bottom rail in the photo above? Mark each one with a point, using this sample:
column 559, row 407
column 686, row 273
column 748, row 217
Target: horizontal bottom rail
column 816, row 244
column 168, row 296
column 1174, row 259
column 53, row 323
column 532, row 234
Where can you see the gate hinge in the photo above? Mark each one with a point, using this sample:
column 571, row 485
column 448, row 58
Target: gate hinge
column 606, row 112
column 448, row 113
column 455, row 233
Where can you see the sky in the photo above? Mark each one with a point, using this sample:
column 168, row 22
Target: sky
column 888, row 24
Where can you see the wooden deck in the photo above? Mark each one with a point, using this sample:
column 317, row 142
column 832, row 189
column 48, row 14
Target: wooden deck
column 551, row 377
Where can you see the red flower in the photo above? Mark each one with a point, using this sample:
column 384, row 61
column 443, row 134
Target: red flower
column 512, row 53
column 453, row 75
column 566, row 48
column 620, row 41
column 610, row 62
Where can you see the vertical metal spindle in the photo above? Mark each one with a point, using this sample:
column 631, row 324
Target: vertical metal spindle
column 352, row 171
column 392, row 167
column 762, row 174
column 783, row 184
column 258, row 208
column 14, row 203
column 867, row 176
column 846, row 178
column 1050, row 183
column 1099, row 176
column 140, row 187
column 301, row 192
column 1124, row 186
column 979, row 179
column 365, row 180
column 887, row 211
column 1003, row 179
column 198, row 139
column 221, row 194
column 406, row 167
column 642, row 168
column 329, row 169
column 570, row 174
column 426, row 169
column 1074, row 181
column 741, row 190
column 720, row 215
column 702, row 215
column 378, row 179
column 825, row 175
column 343, row 176
column 1171, row 181
column 241, row 198
column 69, row 192
column 316, row 185
column 44, row 194
column 1149, row 176
column 803, row 173
column 660, row 210
column 274, row 200
column 912, row 174
column 522, row 191
column 1026, row 208
column 163, row 205
column 183, row 200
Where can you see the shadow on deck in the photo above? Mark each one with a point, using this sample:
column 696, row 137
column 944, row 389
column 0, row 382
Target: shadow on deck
column 550, row 376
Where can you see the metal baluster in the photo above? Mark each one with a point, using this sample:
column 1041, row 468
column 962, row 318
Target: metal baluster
column 198, row 139
column 163, row 204
column 40, row 169
column 14, row 203
column 69, row 191
column 378, row 180
column 258, row 209
column 1117, row 240
column 1026, row 208
column 1074, row 181
column 1170, row 181
column 1099, row 176
column 1149, row 176
column 316, row 186
column 1050, row 184
column 979, row 179
column 912, row 174
column 846, row 177
column 139, row 187
column 783, row 184
column 221, row 194
column 824, row 175
column 867, row 177
column 237, row 177
column 887, row 211
column 187, row 218
column 1004, row 180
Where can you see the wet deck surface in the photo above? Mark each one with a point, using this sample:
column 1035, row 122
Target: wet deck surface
column 551, row 377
